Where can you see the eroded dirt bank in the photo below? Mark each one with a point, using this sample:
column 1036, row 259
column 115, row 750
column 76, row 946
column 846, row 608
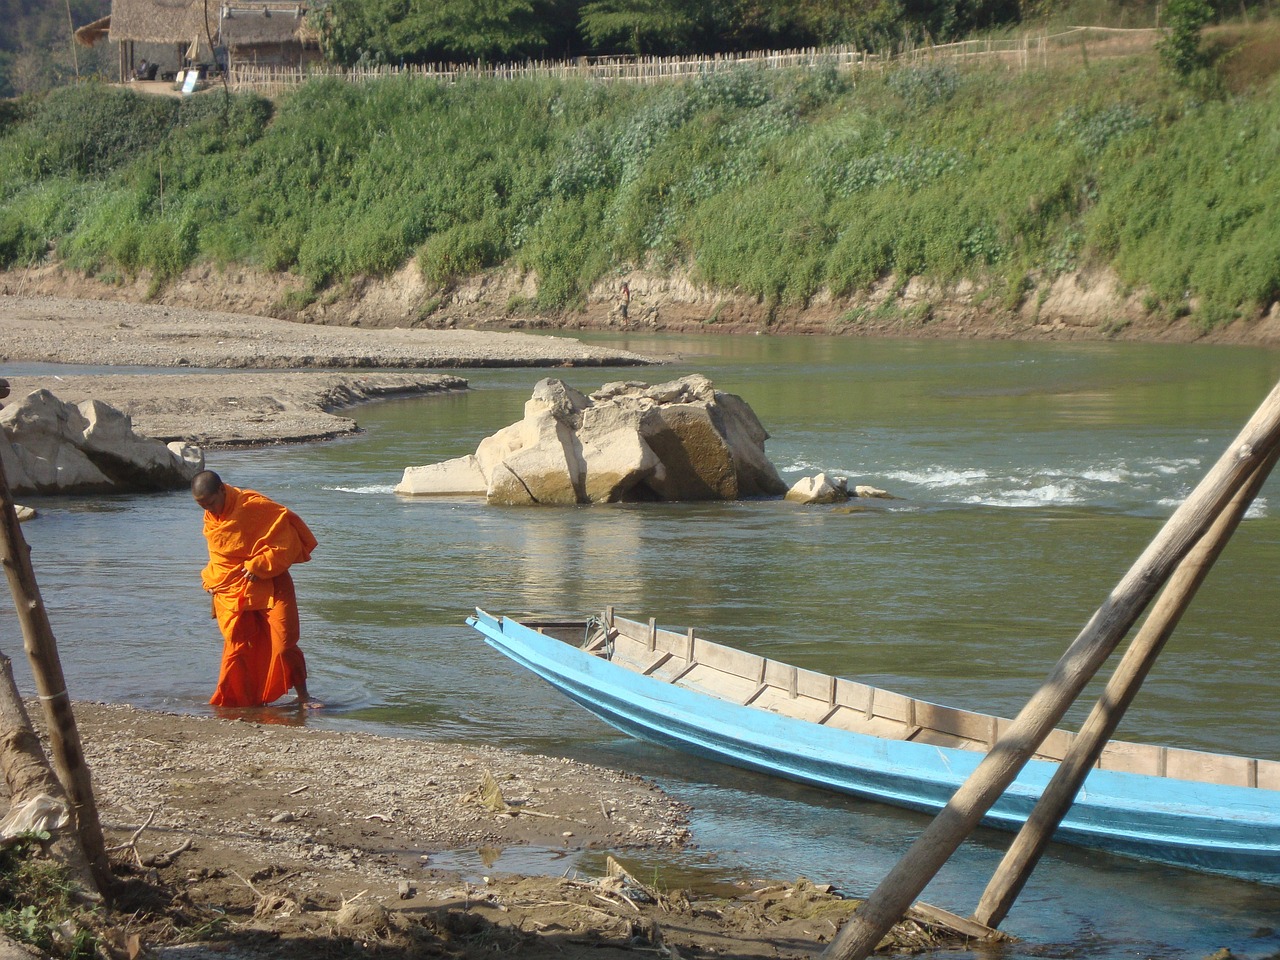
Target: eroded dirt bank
column 1084, row 305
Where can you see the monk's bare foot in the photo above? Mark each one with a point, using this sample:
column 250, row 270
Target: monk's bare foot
column 303, row 701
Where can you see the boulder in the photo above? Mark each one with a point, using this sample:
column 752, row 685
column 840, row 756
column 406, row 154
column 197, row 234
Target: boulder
column 48, row 447
column 819, row 489
column 862, row 490
column 681, row 440
column 462, row 475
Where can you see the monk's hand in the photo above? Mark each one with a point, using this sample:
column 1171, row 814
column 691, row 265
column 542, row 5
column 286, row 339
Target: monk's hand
column 246, row 575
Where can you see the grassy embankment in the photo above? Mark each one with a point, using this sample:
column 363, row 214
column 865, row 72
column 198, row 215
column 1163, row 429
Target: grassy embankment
column 776, row 185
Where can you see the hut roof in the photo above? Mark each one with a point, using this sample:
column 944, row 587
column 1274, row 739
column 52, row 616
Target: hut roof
column 91, row 33
column 244, row 24
column 162, row 21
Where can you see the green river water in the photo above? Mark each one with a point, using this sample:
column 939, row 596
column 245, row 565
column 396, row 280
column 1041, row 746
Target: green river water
column 1029, row 478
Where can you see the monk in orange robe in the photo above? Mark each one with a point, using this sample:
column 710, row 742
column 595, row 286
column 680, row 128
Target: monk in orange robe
column 252, row 543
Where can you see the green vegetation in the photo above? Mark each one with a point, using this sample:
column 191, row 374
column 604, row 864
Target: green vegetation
column 1180, row 49
column 36, row 49
column 36, row 903
column 775, row 185
column 418, row 31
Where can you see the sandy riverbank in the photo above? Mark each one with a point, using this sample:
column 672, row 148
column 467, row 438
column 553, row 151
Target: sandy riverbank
column 266, row 839
column 329, row 368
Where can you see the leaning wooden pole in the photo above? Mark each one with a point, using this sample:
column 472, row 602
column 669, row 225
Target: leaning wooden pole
column 1024, row 853
column 42, row 651
column 1095, row 643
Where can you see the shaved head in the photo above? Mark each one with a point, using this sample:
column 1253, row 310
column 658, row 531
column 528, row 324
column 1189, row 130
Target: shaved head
column 208, row 491
column 205, row 483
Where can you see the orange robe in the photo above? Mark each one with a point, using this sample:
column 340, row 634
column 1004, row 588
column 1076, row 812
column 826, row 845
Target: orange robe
column 259, row 620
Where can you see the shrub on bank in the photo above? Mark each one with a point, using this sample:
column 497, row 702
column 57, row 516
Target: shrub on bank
column 773, row 184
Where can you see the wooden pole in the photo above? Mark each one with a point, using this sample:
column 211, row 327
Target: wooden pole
column 42, row 651
column 1109, row 623
column 28, row 775
column 1025, row 851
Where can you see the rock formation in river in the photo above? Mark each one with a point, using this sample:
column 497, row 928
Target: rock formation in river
column 822, row 488
column 819, row 489
column 49, row 446
column 682, row 440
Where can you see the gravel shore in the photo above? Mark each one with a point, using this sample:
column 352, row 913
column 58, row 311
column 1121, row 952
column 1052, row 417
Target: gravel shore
column 53, row 330
column 331, row 368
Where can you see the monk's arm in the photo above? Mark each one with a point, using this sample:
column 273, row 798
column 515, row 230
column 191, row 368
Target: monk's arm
column 276, row 553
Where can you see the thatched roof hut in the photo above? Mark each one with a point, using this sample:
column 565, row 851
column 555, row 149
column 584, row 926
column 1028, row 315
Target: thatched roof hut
column 163, row 21
column 273, row 32
column 91, row 33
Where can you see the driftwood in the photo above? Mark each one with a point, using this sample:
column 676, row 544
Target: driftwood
column 1095, row 643
column 42, row 651
column 28, row 776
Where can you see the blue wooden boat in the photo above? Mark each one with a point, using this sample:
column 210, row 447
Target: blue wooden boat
column 1203, row 811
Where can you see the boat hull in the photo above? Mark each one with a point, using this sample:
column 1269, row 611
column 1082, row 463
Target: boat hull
column 1210, row 827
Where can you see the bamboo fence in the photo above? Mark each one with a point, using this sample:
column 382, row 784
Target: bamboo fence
column 1018, row 52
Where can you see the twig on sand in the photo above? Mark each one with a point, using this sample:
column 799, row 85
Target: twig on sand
column 256, row 892
column 132, row 842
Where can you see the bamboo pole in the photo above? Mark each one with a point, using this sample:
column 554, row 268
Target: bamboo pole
column 1109, row 623
column 42, row 651
column 1024, row 853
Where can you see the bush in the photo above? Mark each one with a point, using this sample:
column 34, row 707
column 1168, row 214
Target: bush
column 927, row 86
column 1179, row 49
column 89, row 130
column 462, row 250
column 774, row 184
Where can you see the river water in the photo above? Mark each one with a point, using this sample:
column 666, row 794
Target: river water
column 1030, row 477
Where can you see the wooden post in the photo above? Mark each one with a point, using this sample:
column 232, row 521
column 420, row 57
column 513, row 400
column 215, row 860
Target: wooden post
column 890, row 900
column 1025, row 851
column 42, row 651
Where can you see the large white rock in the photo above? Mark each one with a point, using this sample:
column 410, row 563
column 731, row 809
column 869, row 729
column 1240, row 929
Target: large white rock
column 461, row 475
column 49, row 446
column 682, row 440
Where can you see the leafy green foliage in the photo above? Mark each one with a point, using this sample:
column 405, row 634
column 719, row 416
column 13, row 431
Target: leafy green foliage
column 36, row 905
column 394, row 31
column 774, row 184
column 1180, row 50
column 925, row 86
column 89, row 130
column 642, row 26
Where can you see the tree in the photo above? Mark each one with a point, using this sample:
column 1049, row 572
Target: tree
column 36, row 48
column 470, row 29
column 417, row 31
column 1179, row 49
column 641, row 25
